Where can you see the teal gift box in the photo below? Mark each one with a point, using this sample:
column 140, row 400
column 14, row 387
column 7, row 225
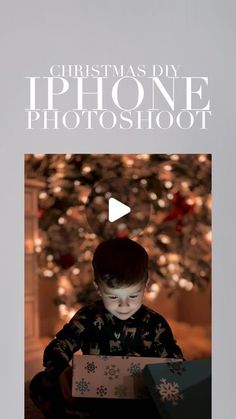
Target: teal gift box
column 181, row 390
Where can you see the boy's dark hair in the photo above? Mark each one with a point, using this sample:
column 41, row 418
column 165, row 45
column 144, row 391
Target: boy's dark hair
column 120, row 263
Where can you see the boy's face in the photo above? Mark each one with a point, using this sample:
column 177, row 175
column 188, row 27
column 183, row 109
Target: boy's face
column 122, row 302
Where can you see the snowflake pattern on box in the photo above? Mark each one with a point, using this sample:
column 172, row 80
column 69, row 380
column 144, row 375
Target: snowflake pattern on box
column 169, row 392
column 112, row 377
column 112, row 371
column 99, row 323
column 176, row 367
column 120, row 391
column 90, row 367
column 135, row 369
column 101, row 391
column 82, row 386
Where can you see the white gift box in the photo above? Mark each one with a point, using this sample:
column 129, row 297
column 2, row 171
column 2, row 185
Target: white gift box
column 113, row 377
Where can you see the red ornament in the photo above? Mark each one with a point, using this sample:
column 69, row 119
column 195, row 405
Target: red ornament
column 41, row 213
column 122, row 234
column 180, row 208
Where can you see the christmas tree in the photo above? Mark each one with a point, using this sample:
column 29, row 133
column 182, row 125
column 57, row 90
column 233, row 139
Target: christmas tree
column 177, row 237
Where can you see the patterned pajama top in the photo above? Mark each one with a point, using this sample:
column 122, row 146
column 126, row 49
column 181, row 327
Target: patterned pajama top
column 97, row 332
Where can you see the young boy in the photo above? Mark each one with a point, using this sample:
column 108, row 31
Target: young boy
column 117, row 324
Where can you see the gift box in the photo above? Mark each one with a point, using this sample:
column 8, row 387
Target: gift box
column 113, row 377
column 181, row 390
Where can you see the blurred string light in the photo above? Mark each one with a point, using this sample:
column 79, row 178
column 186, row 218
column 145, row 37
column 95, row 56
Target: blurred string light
column 202, row 158
column 145, row 157
column 43, row 195
column 164, row 239
column 48, row 273
column 68, row 156
column 184, row 283
column 208, row 236
column 86, row 169
column 38, row 245
column 57, row 189
column 168, row 184
column 153, row 291
column 61, row 220
column 153, row 196
column 174, row 157
column 39, row 156
column 161, row 203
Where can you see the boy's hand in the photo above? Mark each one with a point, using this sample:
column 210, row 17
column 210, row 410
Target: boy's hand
column 65, row 380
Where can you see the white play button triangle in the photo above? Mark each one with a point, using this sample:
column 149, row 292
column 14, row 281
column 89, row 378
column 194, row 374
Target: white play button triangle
column 116, row 209
column 109, row 217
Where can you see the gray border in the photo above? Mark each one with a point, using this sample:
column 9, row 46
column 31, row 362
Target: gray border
column 198, row 35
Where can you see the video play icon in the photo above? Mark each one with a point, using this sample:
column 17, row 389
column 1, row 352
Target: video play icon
column 116, row 209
